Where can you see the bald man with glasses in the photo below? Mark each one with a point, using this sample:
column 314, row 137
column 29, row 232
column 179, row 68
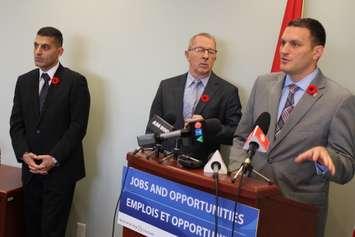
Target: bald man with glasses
column 197, row 95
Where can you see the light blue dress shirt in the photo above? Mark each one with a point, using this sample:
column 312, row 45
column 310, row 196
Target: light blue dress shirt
column 302, row 84
column 192, row 94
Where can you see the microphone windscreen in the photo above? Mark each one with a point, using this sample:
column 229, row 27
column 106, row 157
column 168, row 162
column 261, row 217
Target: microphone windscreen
column 158, row 125
column 170, row 118
column 263, row 121
column 212, row 126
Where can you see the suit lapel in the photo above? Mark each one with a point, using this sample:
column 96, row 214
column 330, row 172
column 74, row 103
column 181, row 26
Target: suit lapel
column 301, row 109
column 35, row 92
column 275, row 95
column 210, row 89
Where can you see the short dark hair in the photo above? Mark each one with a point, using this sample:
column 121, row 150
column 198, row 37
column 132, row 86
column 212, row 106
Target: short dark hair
column 50, row 31
column 315, row 28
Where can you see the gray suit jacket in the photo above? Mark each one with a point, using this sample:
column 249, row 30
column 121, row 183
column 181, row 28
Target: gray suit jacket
column 223, row 104
column 325, row 119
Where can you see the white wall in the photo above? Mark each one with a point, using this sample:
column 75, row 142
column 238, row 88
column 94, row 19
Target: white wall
column 125, row 47
column 338, row 63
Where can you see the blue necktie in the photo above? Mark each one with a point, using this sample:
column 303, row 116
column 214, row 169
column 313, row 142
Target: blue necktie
column 191, row 98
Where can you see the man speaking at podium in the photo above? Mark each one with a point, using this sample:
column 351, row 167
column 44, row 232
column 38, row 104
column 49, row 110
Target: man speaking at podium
column 312, row 127
column 199, row 94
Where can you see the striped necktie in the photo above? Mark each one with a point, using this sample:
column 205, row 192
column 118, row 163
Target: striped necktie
column 287, row 109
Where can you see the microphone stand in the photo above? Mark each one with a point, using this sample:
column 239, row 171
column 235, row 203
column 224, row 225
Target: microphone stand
column 216, row 166
column 157, row 149
column 246, row 168
column 142, row 149
column 175, row 153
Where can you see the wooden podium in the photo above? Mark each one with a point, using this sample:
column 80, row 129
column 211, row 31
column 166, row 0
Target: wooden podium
column 11, row 202
column 278, row 217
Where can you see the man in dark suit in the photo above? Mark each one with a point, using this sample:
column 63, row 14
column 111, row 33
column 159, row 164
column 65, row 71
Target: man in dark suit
column 48, row 122
column 200, row 94
column 312, row 125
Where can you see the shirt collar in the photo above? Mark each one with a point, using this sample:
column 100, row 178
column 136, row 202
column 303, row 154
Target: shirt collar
column 304, row 83
column 191, row 79
column 50, row 72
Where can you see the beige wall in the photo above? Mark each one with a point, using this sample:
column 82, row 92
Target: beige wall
column 125, row 47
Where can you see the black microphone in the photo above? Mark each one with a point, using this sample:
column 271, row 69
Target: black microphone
column 175, row 134
column 147, row 140
column 198, row 131
column 213, row 126
column 206, row 128
column 215, row 166
column 254, row 140
column 257, row 139
column 151, row 139
column 158, row 125
column 170, row 118
column 263, row 121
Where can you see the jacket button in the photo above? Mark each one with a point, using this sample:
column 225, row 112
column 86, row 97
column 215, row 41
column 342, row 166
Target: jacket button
column 38, row 131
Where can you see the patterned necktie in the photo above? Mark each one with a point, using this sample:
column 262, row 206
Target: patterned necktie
column 44, row 90
column 192, row 98
column 287, row 109
column 197, row 95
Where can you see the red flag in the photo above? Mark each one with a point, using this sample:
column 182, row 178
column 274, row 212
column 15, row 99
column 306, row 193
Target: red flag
column 293, row 11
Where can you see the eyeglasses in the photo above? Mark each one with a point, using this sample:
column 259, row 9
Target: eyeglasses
column 202, row 50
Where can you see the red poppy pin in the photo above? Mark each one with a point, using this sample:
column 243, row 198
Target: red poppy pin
column 312, row 90
column 55, row 81
column 205, row 98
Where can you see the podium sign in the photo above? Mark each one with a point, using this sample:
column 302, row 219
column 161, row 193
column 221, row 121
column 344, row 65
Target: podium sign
column 154, row 206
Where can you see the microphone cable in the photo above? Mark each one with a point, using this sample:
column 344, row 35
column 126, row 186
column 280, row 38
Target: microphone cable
column 236, row 201
column 118, row 201
column 215, row 177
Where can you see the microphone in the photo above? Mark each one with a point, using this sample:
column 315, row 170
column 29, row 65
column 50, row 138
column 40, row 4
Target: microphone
column 158, row 125
column 256, row 141
column 146, row 140
column 206, row 129
column 175, row 134
column 170, row 118
column 215, row 166
column 199, row 130
column 151, row 139
column 194, row 131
